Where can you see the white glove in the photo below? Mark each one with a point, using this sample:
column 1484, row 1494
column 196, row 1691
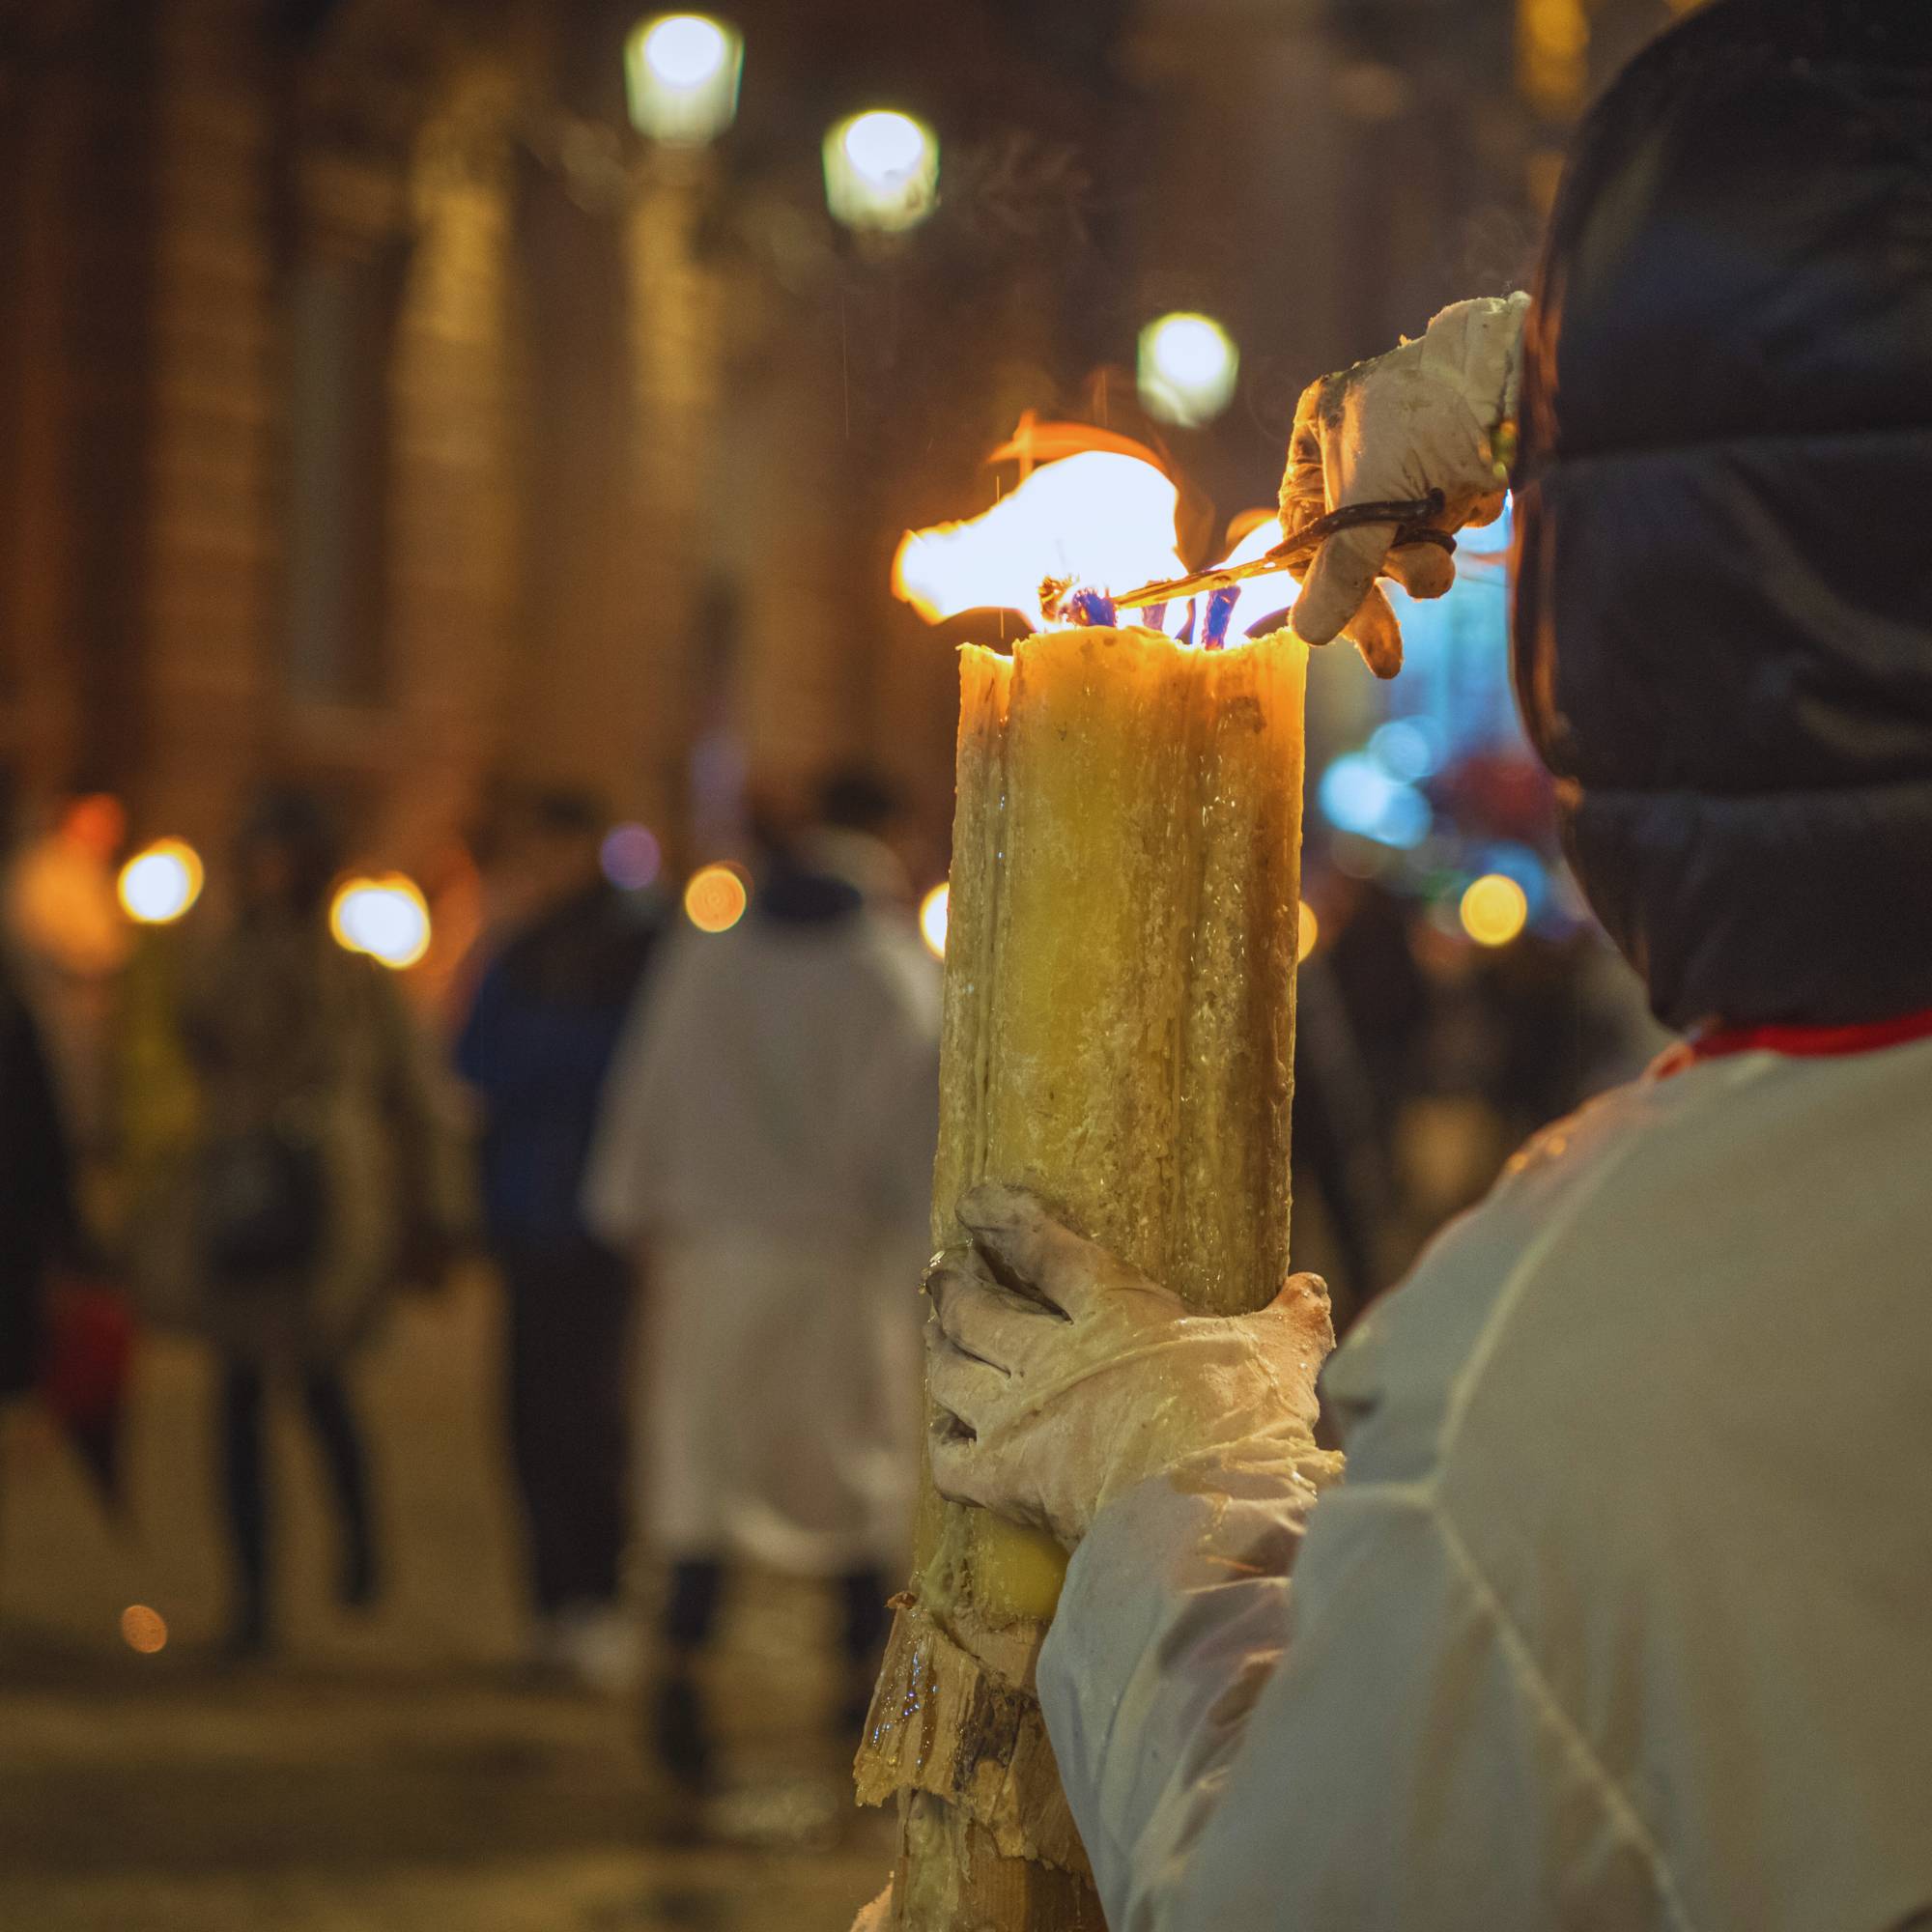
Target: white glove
column 1061, row 1378
column 1423, row 418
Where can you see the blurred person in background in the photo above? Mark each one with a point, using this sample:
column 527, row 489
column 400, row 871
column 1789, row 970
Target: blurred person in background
column 323, row 1171
column 536, row 1047
column 70, row 941
column 1337, row 1145
column 768, row 1143
column 38, row 1223
column 1384, row 992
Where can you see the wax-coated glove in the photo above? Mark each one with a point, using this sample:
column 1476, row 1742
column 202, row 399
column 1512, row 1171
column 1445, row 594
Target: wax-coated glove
column 1425, row 416
column 1062, row 1378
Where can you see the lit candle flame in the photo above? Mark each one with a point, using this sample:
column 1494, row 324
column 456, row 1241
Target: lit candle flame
column 1087, row 523
column 1094, row 521
column 1257, row 597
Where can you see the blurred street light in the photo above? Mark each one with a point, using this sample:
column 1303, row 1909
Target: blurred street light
column 144, row 1630
column 158, row 885
column 1307, row 930
column 716, row 898
column 1495, row 909
column 386, row 917
column 1552, row 55
column 631, row 857
column 1187, row 368
column 932, row 911
column 681, row 72
column 881, row 170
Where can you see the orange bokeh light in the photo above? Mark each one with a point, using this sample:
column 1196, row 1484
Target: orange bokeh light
column 144, row 1630
column 716, row 898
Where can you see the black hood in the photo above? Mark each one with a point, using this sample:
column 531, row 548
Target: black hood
column 1723, row 624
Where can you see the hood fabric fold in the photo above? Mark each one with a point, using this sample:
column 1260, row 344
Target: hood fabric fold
column 1722, row 620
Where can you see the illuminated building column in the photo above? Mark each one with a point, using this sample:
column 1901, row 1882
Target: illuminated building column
column 212, row 553
column 676, row 320
column 451, row 575
column 803, row 600
column 39, row 134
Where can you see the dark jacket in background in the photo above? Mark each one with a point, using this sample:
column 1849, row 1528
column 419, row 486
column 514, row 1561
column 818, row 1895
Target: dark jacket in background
column 1724, row 589
column 37, row 1207
column 537, row 1044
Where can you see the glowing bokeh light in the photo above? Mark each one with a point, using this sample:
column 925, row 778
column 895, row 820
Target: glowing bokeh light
column 681, row 74
column 1493, row 909
column 1408, row 821
column 715, row 899
column 1099, row 520
column 388, row 917
column 144, row 1630
column 685, row 49
column 1187, row 368
column 1522, row 865
column 1356, row 792
column 1308, row 930
column 158, row 885
column 631, row 857
column 1357, row 795
column 881, row 170
column 1405, row 747
column 932, row 911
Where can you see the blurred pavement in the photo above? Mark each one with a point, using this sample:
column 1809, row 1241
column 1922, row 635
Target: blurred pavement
column 391, row 1775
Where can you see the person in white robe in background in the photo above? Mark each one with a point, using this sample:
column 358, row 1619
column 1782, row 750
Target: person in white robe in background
column 767, row 1147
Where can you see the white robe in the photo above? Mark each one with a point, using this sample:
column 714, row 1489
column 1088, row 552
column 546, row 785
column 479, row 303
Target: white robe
column 1622, row 1617
column 768, row 1135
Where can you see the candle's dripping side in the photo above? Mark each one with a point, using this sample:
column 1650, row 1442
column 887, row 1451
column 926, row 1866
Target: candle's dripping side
column 976, row 920
column 1240, row 1006
column 1188, row 865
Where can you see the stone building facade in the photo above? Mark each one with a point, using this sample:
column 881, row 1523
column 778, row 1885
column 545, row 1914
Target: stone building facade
column 375, row 408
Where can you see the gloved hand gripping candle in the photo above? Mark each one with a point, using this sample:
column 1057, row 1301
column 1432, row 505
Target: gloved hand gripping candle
column 1119, row 1036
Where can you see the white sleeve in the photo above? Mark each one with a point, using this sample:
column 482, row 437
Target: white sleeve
column 1174, row 1617
column 1374, row 1751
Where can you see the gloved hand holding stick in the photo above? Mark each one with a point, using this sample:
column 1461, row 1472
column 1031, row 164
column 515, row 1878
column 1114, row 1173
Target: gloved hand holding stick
column 1432, row 418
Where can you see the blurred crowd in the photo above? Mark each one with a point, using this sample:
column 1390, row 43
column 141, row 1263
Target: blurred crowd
column 673, row 1138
